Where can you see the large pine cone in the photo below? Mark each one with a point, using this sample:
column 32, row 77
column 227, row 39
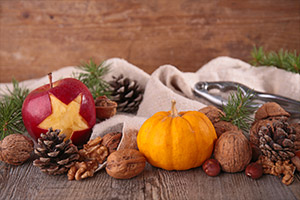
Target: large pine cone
column 56, row 156
column 127, row 93
column 275, row 140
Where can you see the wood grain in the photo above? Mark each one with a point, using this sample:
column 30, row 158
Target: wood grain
column 27, row 182
column 41, row 36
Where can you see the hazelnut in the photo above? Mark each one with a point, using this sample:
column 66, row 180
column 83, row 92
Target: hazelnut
column 211, row 167
column 254, row 170
column 125, row 163
column 15, row 149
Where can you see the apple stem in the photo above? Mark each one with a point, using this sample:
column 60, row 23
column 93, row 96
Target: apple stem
column 50, row 79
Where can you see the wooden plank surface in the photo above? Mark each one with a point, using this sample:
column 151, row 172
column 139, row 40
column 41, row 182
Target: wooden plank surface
column 41, row 36
column 28, row 182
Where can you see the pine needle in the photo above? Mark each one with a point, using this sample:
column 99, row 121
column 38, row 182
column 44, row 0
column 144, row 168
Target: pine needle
column 282, row 59
column 239, row 109
column 11, row 110
column 92, row 77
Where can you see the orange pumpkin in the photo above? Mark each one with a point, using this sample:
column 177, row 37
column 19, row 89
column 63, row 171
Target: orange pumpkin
column 177, row 141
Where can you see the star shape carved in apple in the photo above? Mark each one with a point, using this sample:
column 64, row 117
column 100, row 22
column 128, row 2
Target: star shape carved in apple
column 65, row 117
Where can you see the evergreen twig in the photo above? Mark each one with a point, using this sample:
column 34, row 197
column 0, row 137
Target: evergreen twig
column 11, row 110
column 92, row 77
column 282, row 59
column 239, row 109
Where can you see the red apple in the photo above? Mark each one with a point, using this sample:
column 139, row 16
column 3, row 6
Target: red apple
column 66, row 104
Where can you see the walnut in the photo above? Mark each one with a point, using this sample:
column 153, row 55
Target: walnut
column 223, row 126
column 125, row 163
column 233, row 151
column 278, row 168
column 213, row 113
column 15, row 149
column 271, row 109
column 94, row 150
column 82, row 170
column 111, row 141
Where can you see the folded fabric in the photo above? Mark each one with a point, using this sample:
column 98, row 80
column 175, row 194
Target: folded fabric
column 168, row 83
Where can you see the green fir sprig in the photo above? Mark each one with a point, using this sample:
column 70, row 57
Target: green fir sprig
column 92, row 77
column 286, row 60
column 11, row 110
column 239, row 109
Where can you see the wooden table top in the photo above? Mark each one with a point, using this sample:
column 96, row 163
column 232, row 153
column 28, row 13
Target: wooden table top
column 28, row 182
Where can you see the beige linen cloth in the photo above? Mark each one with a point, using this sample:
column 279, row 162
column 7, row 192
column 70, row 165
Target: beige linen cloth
column 168, row 83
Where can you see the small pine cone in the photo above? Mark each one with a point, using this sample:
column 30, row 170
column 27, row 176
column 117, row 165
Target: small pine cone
column 126, row 93
column 56, row 156
column 276, row 141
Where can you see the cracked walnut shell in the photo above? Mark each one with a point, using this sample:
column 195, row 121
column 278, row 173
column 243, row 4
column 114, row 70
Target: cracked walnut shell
column 271, row 109
column 125, row 163
column 15, row 149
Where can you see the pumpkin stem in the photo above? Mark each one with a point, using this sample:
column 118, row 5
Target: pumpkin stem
column 174, row 112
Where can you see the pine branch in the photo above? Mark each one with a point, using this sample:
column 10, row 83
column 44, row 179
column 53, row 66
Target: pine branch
column 239, row 109
column 282, row 59
column 92, row 77
column 11, row 110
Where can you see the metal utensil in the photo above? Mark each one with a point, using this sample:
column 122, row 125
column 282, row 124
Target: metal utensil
column 202, row 89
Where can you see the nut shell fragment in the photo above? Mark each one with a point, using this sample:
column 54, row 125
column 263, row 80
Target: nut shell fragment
column 270, row 109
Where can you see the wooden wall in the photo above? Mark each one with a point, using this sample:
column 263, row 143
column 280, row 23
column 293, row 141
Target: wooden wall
column 38, row 36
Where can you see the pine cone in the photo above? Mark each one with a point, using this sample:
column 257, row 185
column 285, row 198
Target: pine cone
column 276, row 140
column 127, row 93
column 56, row 156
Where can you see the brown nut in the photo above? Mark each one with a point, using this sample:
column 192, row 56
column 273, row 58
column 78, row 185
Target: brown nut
column 223, row 126
column 15, row 149
column 213, row 113
column 254, row 170
column 105, row 108
column 82, row 170
column 94, row 150
column 271, row 109
column 211, row 167
column 125, row 163
column 111, row 141
column 233, row 151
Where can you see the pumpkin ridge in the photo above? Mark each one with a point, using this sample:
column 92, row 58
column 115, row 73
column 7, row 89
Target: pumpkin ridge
column 195, row 139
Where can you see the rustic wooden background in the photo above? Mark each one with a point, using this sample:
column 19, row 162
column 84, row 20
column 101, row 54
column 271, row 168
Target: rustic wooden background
column 38, row 36
column 28, row 182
